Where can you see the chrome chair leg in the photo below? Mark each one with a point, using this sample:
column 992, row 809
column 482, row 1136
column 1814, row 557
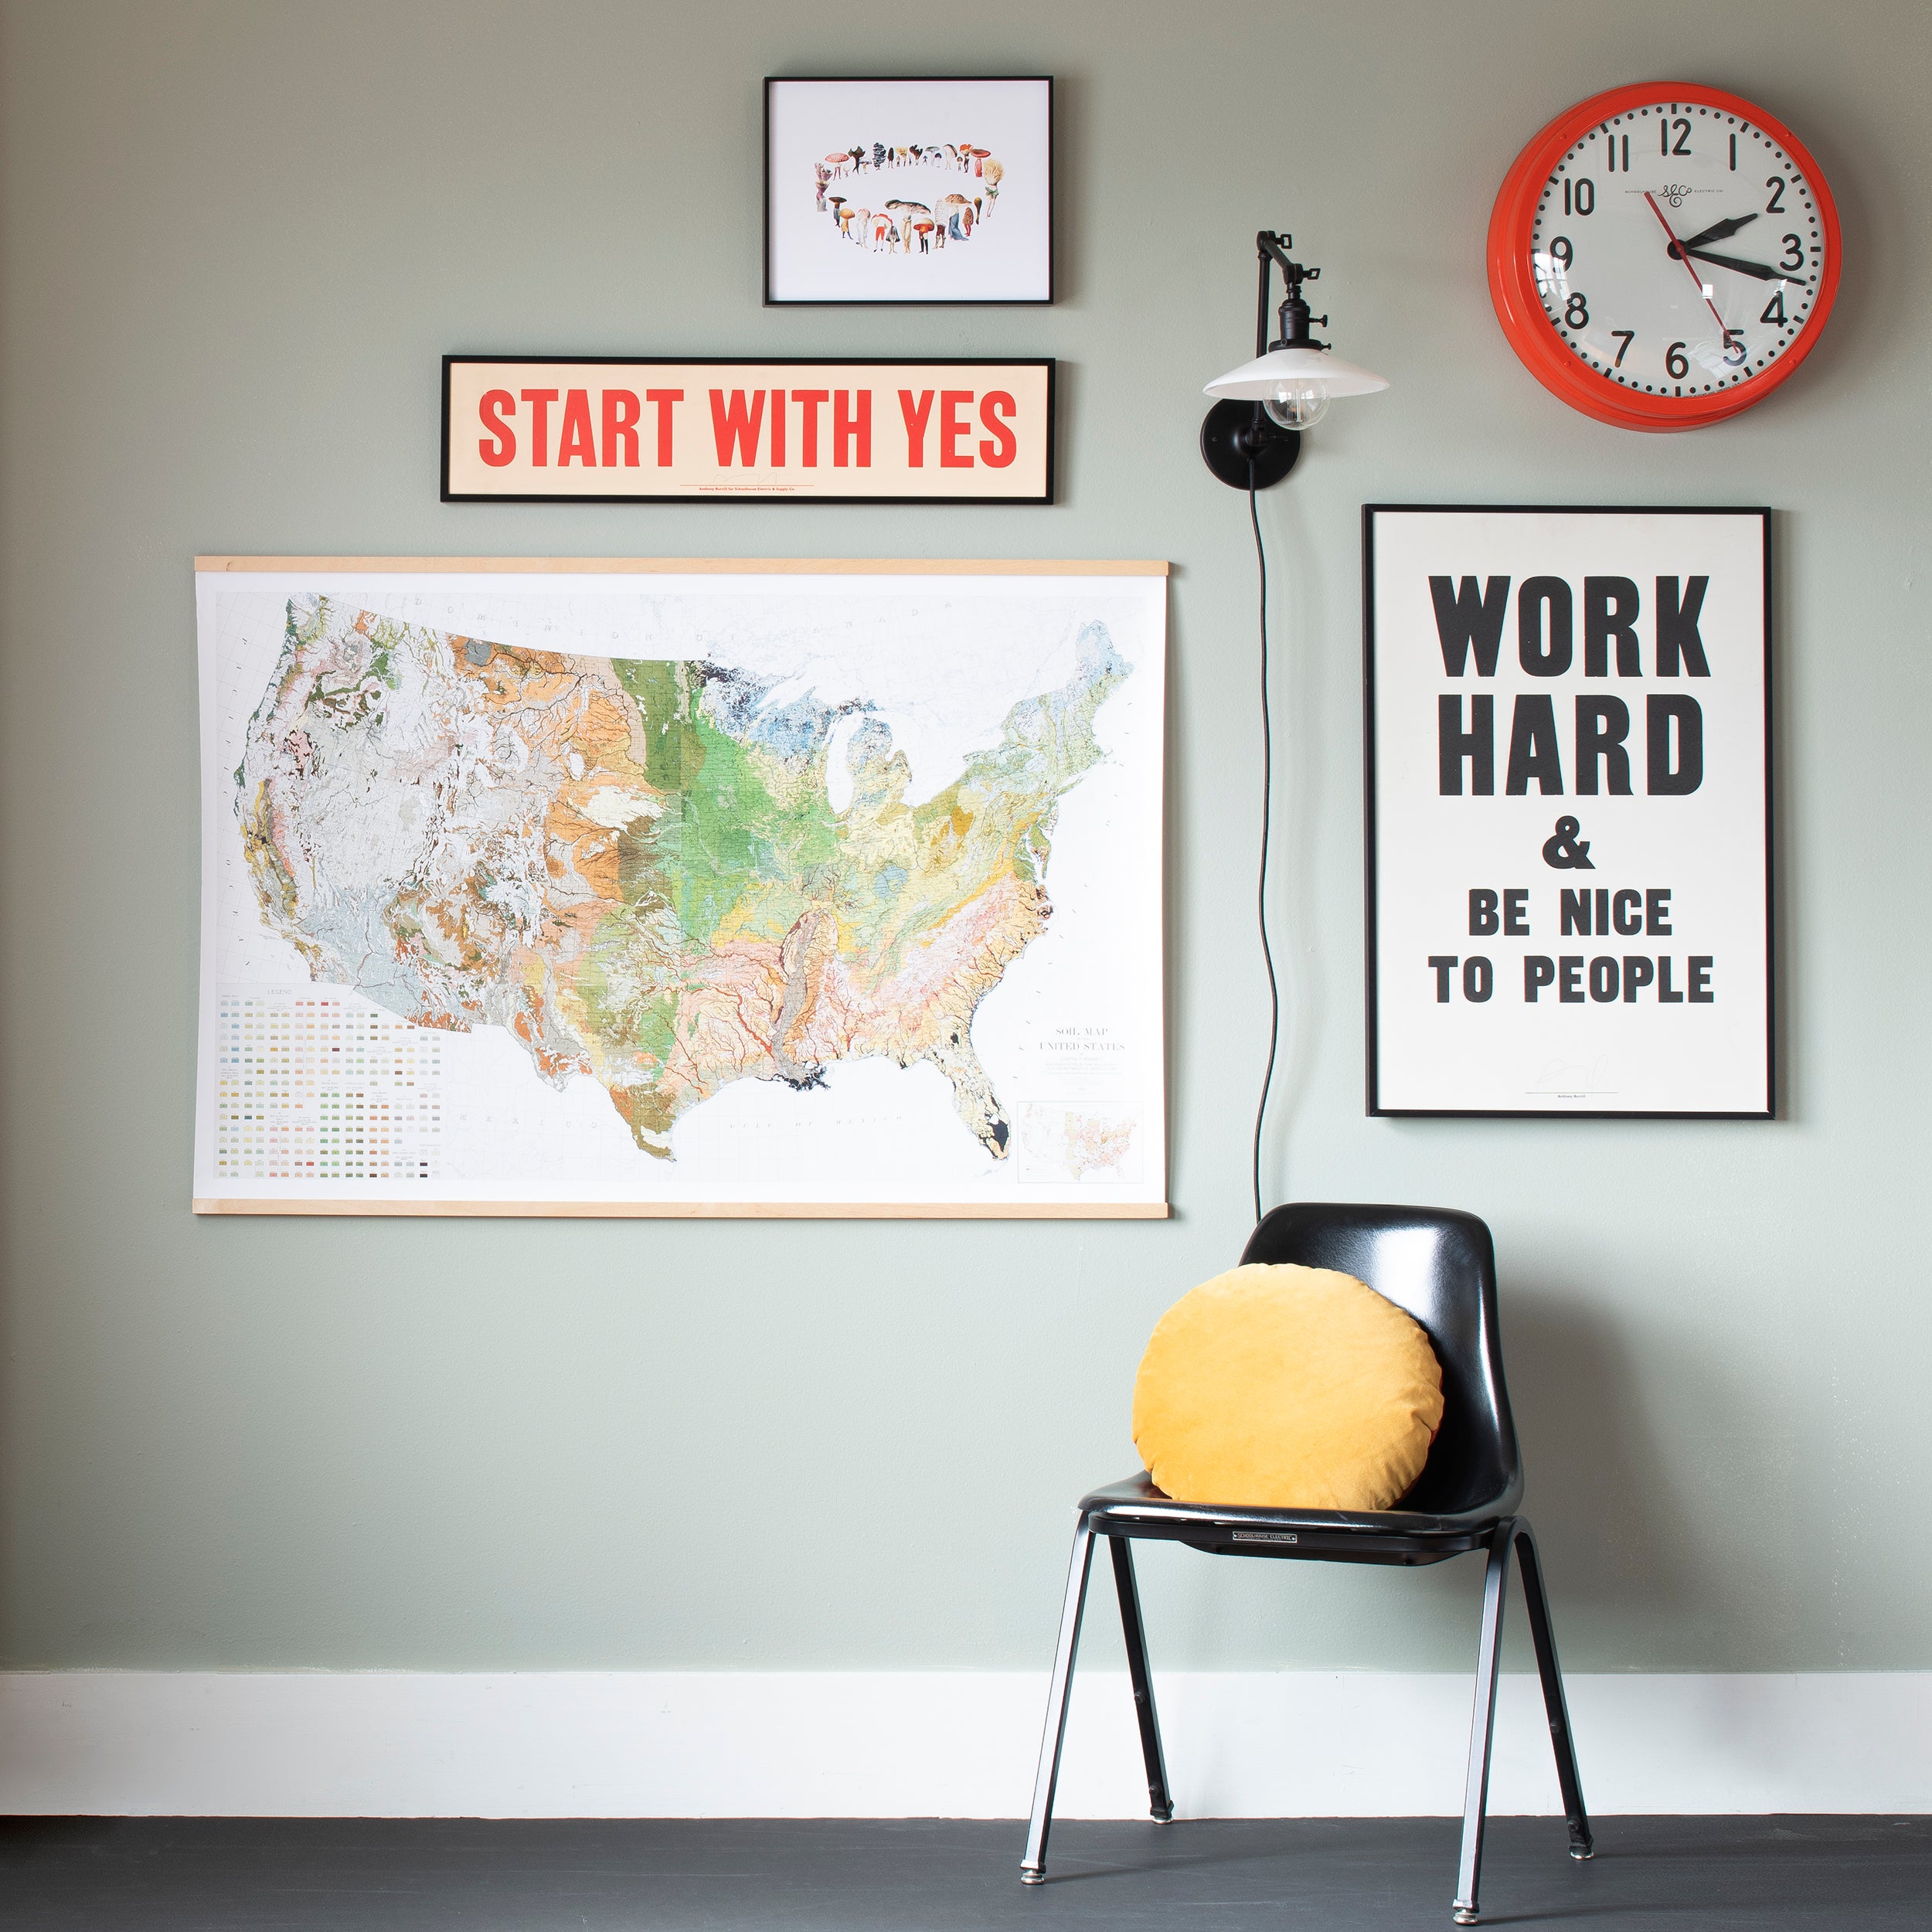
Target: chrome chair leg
column 1482, row 1725
column 1032, row 1870
column 1536, row 1601
column 1160, row 1806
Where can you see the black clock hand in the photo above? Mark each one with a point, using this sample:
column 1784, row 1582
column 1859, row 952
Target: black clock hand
column 1672, row 249
column 1717, row 231
column 1764, row 274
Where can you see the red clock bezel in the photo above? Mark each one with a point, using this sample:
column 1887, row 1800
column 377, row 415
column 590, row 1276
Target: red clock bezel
column 1520, row 310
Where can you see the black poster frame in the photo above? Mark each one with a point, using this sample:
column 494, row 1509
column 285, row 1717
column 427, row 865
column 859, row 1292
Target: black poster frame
column 1371, row 830
column 920, row 301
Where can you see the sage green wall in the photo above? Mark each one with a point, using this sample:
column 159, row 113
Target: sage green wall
column 237, row 237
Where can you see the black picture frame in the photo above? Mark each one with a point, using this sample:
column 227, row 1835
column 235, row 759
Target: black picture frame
column 1047, row 497
column 1371, row 1044
column 772, row 300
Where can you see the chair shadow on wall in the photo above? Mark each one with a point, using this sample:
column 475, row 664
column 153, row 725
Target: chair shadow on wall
column 1605, row 1492
column 1619, row 1549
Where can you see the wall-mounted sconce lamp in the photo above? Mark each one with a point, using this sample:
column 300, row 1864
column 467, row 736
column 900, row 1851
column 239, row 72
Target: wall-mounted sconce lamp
column 1250, row 439
column 1253, row 434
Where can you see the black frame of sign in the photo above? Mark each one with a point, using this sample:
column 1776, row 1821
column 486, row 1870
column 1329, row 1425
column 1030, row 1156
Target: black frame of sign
column 1375, row 1109
column 923, row 302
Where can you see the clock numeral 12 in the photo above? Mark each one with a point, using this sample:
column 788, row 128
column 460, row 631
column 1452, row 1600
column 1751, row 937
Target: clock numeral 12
column 1664, row 145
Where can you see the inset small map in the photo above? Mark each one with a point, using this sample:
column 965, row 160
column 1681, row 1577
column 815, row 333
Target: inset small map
column 1060, row 1144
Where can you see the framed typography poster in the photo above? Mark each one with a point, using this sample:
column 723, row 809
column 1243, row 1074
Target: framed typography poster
column 1568, row 715
column 909, row 190
column 662, row 429
column 638, row 887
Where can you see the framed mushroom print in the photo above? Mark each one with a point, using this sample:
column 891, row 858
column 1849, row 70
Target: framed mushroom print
column 909, row 190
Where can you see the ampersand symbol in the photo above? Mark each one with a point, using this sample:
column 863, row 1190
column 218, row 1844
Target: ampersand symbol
column 1566, row 851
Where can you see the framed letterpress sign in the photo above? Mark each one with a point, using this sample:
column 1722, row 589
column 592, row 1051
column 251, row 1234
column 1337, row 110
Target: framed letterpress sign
column 660, row 429
column 1567, row 715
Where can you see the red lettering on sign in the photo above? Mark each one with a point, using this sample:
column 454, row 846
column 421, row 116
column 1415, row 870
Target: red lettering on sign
column 808, row 401
column 952, row 427
column 499, row 446
column 539, row 400
column 1004, row 446
column 620, row 415
column 577, row 440
column 915, row 426
column 736, row 425
column 777, row 429
column 664, row 398
column 847, row 429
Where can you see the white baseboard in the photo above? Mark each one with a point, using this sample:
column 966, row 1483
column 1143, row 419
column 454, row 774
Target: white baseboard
column 912, row 1744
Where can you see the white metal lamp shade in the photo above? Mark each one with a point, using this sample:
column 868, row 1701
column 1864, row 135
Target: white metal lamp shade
column 1294, row 369
column 1253, row 434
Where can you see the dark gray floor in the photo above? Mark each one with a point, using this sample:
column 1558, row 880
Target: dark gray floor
column 228, row 1875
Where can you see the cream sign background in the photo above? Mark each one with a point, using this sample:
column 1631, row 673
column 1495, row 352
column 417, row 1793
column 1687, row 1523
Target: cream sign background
column 522, row 429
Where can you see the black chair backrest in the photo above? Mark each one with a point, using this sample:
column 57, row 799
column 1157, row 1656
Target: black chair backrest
column 1440, row 1266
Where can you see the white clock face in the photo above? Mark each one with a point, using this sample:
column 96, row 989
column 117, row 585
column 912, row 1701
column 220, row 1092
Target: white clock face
column 1677, row 250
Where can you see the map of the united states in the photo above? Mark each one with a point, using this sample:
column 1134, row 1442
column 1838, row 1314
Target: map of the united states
column 635, row 866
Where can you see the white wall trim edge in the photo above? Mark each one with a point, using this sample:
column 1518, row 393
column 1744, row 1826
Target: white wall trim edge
column 891, row 1744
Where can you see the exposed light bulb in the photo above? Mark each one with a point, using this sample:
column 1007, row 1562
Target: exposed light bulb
column 1297, row 405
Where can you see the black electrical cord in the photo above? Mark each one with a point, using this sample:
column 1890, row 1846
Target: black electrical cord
column 1261, row 890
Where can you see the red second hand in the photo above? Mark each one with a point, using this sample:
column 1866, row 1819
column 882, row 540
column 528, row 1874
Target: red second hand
column 1686, row 260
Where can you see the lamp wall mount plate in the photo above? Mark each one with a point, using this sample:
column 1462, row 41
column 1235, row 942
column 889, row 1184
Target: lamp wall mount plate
column 1244, row 449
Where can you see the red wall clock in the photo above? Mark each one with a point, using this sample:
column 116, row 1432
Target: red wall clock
column 1663, row 256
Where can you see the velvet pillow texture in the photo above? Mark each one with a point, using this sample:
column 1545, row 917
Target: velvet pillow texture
column 1287, row 1387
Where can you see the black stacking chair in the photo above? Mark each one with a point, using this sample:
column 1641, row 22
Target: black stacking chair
column 1440, row 1266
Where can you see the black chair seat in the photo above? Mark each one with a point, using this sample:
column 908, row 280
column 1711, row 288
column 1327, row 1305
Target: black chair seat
column 1136, row 1508
column 1440, row 1266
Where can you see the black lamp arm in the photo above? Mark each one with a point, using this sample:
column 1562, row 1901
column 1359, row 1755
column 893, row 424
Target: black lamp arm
column 1242, row 445
column 1273, row 249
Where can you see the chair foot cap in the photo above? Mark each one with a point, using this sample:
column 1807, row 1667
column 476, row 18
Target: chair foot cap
column 1163, row 1818
column 1029, row 1876
column 1580, row 1852
column 1464, row 1915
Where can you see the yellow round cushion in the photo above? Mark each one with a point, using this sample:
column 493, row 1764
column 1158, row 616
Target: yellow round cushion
column 1287, row 1387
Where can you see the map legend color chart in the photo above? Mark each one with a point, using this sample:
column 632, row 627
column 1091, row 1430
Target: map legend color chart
column 313, row 1089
